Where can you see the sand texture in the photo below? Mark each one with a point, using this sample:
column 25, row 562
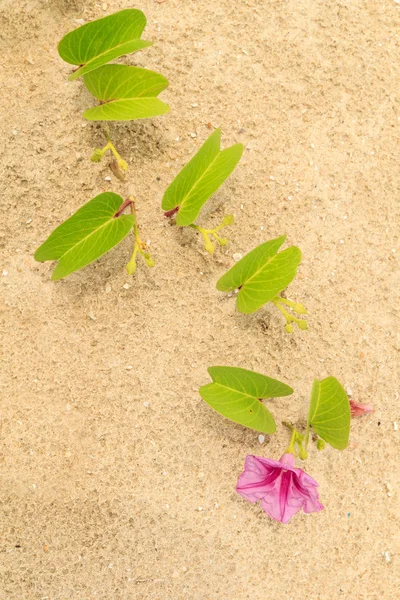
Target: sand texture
column 117, row 482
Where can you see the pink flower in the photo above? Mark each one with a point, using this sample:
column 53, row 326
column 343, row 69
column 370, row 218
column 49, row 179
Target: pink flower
column 282, row 489
column 358, row 410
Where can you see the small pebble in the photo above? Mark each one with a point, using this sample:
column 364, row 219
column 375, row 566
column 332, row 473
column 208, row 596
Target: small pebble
column 349, row 391
column 395, row 426
column 146, row 404
column 68, row 407
column 108, row 288
column 108, row 178
column 194, row 105
column 104, row 6
column 79, row 21
column 15, row 131
column 342, row 241
column 126, row 286
column 261, row 438
column 91, row 315
column 236, row 256
column 5, row 273
column 387, row 556
column 193, row 135
column 129, row 367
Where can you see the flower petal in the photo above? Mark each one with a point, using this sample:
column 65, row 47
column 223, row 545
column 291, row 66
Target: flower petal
column 358, row 410
column 282, row 488
column 256, row 479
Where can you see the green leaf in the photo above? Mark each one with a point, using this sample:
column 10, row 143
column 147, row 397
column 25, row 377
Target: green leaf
column 96, row 43
column 236, row 394
column 200, row 178
column 126, row 93
column 261, row 275
column 91, row 232
column 329, row 413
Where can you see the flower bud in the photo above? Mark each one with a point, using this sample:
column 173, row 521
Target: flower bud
column 228, row 220
column 209, row 246
column 302, row 325
column 131, row 267
column 123, row 165
column 299, row 308
column 97, row 155
column 149, row 261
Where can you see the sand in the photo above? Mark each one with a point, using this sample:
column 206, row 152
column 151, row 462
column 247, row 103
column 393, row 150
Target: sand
column 117, row 480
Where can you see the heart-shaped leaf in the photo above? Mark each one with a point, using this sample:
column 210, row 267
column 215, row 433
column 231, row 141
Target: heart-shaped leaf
column 95, row 44
column 126, row 93
column 261, row 274
column 91, row 232
column 237, row 393
column 329, row 413
column 200, row 178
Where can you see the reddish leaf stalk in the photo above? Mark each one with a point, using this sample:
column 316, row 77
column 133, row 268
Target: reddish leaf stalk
column 170, row 213
column 123, row 206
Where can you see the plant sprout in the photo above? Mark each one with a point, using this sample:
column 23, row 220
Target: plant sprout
column 261, row 276
column 92, row 231
column 125, row 93
column 196, row 182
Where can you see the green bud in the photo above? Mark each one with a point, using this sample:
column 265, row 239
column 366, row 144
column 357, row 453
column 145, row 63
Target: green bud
column 320, row 444
column 288, row 328
column 302, row 325
column 299, row 308
column 149, row 261
column 131, row 267
column 228, row 220
column 97, row 155
column 123, row 165
column 209, row 246
column 221, row 241
column 303, row 454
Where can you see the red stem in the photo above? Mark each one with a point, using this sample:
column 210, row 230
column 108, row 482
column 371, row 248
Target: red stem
column 170, row 213
column 123, row 206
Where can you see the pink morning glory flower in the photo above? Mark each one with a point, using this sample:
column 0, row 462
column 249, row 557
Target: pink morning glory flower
column 358, row 410
column 282, row 488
